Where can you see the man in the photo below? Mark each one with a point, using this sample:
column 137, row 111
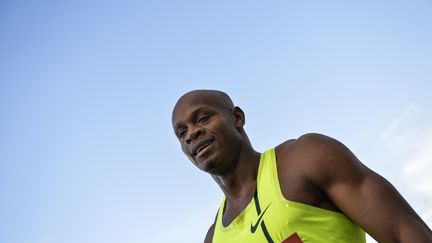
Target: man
column 310, row 189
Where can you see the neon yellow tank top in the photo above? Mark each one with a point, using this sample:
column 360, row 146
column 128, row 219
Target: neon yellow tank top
column 269, row 217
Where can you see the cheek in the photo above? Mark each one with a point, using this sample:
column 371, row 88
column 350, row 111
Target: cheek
column 229, row 134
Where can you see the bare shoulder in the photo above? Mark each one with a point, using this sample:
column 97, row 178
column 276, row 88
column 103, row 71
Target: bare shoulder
column 315, row 156
column 308, row 145
column 307, row 140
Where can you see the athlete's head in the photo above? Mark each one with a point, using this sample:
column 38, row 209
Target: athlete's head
column 210, row 129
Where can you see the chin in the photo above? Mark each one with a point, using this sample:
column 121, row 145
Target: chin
column 205, row 165
column 215, row 168
column 209, row 166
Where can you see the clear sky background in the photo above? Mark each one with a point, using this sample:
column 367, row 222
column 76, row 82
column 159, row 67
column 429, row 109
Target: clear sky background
column 87, row 152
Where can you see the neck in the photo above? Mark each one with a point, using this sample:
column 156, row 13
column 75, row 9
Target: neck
column 242, row 179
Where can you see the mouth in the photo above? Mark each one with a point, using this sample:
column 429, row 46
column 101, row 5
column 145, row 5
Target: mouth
column 200, row 147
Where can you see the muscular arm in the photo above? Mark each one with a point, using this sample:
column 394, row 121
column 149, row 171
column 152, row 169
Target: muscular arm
column 364, row 196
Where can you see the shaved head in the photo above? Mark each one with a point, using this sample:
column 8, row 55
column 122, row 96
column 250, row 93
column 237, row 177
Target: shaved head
column 219, row 97
column 216, row 98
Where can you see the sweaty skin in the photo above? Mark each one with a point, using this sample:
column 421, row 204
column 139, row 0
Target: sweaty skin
column 313, row 169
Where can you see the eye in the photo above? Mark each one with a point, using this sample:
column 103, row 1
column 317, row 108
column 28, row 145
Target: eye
column 203, row 118
column 181, row 133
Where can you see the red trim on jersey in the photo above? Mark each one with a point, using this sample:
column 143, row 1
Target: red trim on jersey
column 294, row 238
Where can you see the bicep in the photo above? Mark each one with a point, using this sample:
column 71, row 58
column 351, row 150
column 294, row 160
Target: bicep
column 369, row 199
column 372, row 202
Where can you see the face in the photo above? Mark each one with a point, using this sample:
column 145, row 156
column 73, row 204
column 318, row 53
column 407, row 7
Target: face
column 208, row 131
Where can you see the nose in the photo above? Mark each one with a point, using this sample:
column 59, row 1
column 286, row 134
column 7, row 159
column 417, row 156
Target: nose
column 194, row 133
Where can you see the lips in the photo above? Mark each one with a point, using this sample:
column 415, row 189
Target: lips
column 201, row 146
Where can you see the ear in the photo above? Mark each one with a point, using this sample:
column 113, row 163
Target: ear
column 239, row 117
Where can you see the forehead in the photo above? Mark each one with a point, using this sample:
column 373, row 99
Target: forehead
column 189, row 104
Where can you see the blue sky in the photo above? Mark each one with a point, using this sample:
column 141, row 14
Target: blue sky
column 87, row 152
